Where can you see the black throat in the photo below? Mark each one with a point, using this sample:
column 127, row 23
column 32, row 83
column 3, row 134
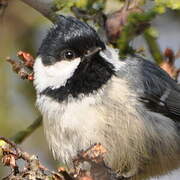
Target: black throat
column 87, row 78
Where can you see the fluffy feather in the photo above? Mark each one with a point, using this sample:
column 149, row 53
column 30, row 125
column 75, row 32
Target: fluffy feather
column 106, row 100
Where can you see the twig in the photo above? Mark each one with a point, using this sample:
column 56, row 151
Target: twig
column 11, row 143
column 94, row 155
column 22, row 135
column 46, row 7
column 153, row 47
column 24, row 67
column 3, row 6
column 27, row 59
column 137, row 24
column 32, row 168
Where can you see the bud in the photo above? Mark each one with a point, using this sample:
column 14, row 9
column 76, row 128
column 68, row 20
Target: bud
column 9, row 160
column 169, row 53
column 27, row 58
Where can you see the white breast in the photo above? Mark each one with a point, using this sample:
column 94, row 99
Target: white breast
column 114, row 118
column 73, row 126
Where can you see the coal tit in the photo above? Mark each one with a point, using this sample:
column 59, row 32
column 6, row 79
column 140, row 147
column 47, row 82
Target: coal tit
column 88, row 95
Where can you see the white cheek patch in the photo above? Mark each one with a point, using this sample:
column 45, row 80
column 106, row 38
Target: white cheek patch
column 111, row 55
column 54, row 75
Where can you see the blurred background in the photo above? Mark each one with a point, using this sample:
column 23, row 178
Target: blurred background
column 23, row 28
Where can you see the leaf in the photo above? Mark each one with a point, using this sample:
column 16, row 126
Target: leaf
column 153, row 32
column 175, row 4
column 2, row 144
column 81, row 3
column 160, row 9
column 172, row 4
column 60, row 4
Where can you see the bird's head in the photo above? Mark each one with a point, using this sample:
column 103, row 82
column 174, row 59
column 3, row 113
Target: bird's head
column 68, row 40
column 70, row 54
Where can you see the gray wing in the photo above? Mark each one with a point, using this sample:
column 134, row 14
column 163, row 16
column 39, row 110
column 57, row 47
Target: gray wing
column 155, row 88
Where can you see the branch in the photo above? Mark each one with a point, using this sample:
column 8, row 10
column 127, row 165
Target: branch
column 46, row 7
column 24, row 68
column 33, row 169
column 22, row 135
column 153, row 47
column 137, row 23
column 3, row 6
column 12, row 156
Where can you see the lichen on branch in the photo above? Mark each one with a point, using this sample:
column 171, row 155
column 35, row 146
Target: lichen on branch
column 11, row 156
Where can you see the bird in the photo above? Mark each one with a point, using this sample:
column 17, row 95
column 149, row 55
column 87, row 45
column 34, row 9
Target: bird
column 87, row 94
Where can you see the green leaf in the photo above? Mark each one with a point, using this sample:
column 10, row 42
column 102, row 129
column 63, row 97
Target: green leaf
column 2, row 144
column 153, row 32
column 160, row 9
column 175, row 4
column 61, row 4
column 81, row 3
column 172, row 4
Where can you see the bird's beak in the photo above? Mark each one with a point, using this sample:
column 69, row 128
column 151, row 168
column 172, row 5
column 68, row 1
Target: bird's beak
column 88, row 55
column 92, row 52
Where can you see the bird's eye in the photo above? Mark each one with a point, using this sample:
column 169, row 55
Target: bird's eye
column 68, row 54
